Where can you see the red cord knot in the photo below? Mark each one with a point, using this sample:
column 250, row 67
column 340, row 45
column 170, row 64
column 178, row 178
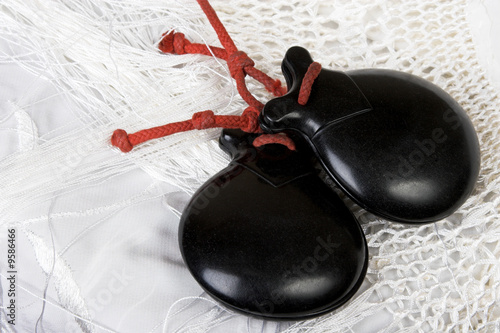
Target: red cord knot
column 120, row 139
column 307, row 82
column 203, row 120
column 250, row 118
column 173, row 42
column 279, row 138
column 237, row 62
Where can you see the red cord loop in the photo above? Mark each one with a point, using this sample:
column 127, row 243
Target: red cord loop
column 307, row 82
column 281, row 139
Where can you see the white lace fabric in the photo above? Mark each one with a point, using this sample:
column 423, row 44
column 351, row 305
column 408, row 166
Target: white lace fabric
column 97, row 229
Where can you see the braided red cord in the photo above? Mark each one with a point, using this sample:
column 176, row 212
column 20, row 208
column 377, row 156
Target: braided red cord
column 176, row 43
column 307, row 82
column 247, row 122
column 279, row 138
column 239, row 66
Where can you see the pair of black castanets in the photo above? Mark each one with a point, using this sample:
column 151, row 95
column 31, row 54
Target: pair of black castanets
column 267, row 237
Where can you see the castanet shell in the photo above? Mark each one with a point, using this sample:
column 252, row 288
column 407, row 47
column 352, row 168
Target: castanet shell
column 398, row 145
column 267, row 237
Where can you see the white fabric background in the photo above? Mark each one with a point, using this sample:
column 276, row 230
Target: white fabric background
column 97, row 229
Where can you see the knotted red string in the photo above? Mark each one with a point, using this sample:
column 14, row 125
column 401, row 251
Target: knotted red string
column 176, row 43
column 247, row 122
column 239, row 65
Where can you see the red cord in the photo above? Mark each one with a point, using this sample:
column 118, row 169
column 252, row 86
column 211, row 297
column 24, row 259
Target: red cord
column 239, row 65
column 176, row 43
column 279, row 138
column 307, row 82
column 247, row 122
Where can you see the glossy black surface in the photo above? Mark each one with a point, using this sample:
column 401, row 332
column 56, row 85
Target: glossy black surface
column 267, row 237
column 398, row 145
